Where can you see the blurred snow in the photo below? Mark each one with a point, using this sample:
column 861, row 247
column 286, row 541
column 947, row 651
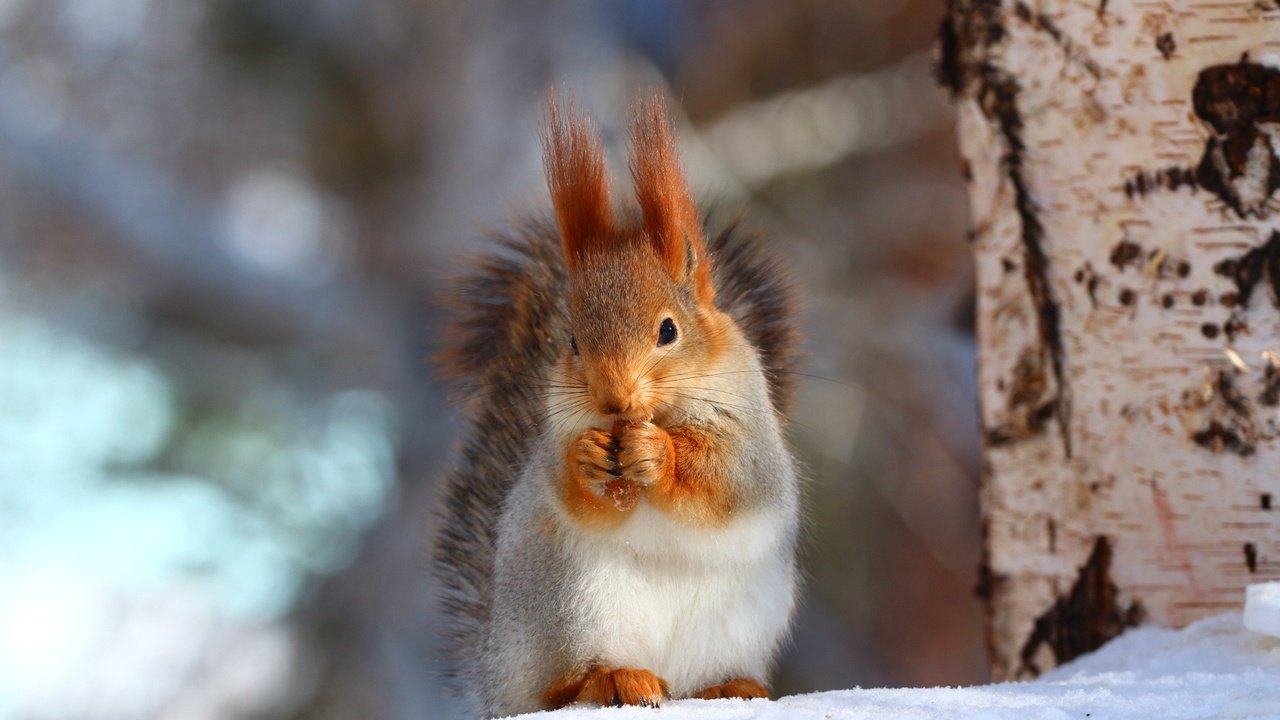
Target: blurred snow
column 278, row 222
column 76, row 648
column 1262, row 608
column 106, row 24
column 148, row 553
column 809, row 129
column 9, row 10
column 1211, row 669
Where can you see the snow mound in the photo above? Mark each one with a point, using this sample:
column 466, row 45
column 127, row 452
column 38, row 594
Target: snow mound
column 1262, row 608
column 1214, row 668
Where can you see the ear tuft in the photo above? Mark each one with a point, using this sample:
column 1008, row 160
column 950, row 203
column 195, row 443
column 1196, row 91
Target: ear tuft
column 574, row 160
column 670, row 216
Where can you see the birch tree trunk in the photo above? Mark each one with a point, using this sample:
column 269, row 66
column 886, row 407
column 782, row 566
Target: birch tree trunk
column 1122, row 160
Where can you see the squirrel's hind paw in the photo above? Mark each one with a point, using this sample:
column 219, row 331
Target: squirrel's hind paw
column 739, row 688
column 606, row 686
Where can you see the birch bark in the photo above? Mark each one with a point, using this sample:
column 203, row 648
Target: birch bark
column 1123, row 160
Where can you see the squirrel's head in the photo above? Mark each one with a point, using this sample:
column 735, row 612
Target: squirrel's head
column 642, row 301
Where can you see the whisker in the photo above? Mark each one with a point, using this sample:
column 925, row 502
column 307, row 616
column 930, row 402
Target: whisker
column 719, row 403
column 687, row 388
column 652, row 364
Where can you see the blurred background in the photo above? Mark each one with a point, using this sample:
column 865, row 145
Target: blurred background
column 223, row 227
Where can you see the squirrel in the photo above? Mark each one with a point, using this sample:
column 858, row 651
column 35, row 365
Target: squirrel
column 620, row 524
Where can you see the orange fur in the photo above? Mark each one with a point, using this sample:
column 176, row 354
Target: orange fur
column 681, row 470
column 740, row 688
column 699, row 490
column 670, row 215
column 594, row 494
column 685, row 470
column 605, row 686
column 646, row 453
column 574, row 160
column 715, row 334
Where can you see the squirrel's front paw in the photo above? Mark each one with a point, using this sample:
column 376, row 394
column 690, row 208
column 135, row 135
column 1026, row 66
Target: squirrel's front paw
column 646, row 453
column 595, row 465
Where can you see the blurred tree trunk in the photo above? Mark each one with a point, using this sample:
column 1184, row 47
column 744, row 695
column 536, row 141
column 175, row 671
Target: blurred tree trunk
column 1122, row 160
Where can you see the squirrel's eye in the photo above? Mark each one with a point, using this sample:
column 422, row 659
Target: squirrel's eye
column 666, row 333
column 573, row 343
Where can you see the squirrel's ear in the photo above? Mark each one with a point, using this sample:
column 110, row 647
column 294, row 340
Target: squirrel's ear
column 574, row 159
column 670, row 216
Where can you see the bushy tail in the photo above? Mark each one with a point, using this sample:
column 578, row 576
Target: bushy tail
column 508, row 326
column 759, row 294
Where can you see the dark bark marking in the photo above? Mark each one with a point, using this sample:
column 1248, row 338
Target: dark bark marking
column 1026, row 408
column 1236, row 101
column 1126, row 253
column 1261, row 264
column 1166, row 45
column 1270, row 395
column 1265, row 501
column 1090, row 279
column 1126, row 297
column 1170, row 178
column 1209, row 330
column 1045, row 24
column 967, row 30
column 1085, row 618
column 1239, row 162
column 998, row 98
column 947, row 67
column 1230, row 427
column 1219, row 438
column 990, row 584
column 1234, row 326
column 1251, row 557
column 1231, row 397
column 966, row 27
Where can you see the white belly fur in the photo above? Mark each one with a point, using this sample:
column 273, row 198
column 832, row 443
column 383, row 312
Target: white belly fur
column 694, row 606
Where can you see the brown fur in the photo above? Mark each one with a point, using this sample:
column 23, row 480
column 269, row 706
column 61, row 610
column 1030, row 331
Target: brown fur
column 744, row 688
column 497, row 357
column 605, row 687
column 670, row 216
column 574, row 160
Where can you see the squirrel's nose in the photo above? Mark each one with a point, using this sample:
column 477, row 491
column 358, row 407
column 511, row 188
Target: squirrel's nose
column 614, row 403
column 613, row 395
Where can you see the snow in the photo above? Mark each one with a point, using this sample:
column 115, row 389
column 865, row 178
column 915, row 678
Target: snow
column 1262, row 608
column 1215, row 668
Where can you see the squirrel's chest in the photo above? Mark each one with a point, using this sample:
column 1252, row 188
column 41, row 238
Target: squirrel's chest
column 690, row 619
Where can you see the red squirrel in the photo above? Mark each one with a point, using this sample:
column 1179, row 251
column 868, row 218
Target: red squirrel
column 620, row 524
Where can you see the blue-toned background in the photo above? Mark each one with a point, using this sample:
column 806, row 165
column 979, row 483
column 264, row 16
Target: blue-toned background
column 224, row 225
